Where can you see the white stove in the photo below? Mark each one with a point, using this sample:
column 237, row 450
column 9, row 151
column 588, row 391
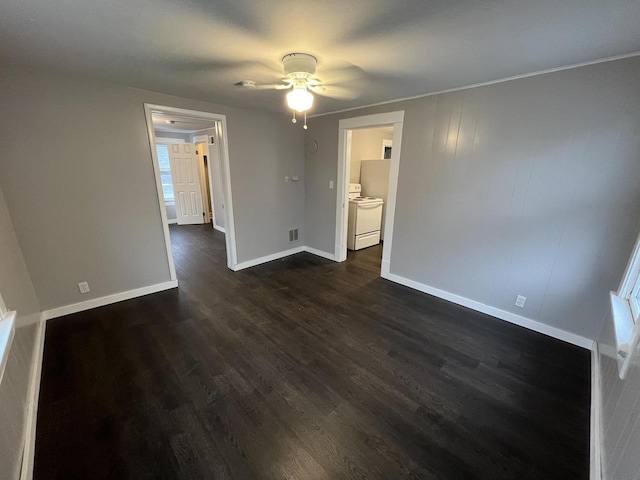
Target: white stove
column 365, row 220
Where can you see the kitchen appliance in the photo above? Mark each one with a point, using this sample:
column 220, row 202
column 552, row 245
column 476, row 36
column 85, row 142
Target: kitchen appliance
column 355, row 190
column 365, row 220
column 374, row 178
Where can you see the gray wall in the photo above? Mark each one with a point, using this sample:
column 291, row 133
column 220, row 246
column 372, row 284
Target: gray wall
column 171, row 212
column 620, row 403
column 18, row 294
column 522, row 187
column 85, row 205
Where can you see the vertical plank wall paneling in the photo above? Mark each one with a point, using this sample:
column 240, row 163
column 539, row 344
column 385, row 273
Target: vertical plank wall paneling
column 620, row 410
column 521, row 187
column 19, row 295
column 14, row 403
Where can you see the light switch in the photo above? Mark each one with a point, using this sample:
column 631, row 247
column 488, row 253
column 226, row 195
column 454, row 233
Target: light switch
column 331, row 184
column 286, row 178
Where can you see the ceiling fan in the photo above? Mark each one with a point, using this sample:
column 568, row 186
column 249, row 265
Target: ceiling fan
column 300, row 78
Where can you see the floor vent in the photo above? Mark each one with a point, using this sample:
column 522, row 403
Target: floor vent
column 293, row 235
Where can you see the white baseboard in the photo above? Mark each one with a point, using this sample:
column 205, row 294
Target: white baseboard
column 495, row 312
column 276, row 256
column 320, row 253
column 172, row 222
column 107, row 300
column 220, row 229
column 266, row 258
column 595, row 455
column 30, row 319
column 26, row 472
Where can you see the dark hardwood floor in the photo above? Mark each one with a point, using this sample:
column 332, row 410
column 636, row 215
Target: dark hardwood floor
column 304, row 368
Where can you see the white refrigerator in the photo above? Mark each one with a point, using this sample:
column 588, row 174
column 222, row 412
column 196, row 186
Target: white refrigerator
column 374, row 178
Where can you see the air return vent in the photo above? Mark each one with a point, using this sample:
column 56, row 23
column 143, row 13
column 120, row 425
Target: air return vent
column 293, row 235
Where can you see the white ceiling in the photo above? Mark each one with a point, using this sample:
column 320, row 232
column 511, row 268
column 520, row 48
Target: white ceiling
column 385, row 49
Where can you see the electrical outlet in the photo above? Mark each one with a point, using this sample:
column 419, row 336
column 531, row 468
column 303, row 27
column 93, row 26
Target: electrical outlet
column 520, row 301
column 84, row 287
column 295, row 178
column 286, row 178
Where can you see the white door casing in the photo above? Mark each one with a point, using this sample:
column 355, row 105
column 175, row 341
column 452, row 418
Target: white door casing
column 186, row 183
column 345, row 127
column 207, row 204
column 215, row 177
column 223, row 144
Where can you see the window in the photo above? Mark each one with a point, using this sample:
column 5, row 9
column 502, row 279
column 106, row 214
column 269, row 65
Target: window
column 625, row 308
column 386, row 149
column 7, row 321
column 165, row 172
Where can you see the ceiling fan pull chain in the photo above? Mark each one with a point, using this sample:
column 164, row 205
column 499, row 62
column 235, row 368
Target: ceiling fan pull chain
column 293, row 120
column 305, row 120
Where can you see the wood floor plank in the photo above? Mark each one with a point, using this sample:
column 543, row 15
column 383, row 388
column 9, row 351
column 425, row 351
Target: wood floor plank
column 304, row 368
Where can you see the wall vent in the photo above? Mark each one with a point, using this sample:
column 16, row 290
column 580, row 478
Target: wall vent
column 293, row 235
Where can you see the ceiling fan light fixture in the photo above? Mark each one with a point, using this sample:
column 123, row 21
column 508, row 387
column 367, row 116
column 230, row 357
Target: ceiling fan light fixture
column 299, row 99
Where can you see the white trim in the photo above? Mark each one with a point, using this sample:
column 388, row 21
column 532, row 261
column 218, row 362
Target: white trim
column 345, row 126
column 624, row 312
column 267, row 258
column 160, row 193
column 32, row 406
column 169, row 141
column 534, row 325
column 221, row 122
column 483, row 84
column 202, row 139
column 285, row 253
column 320, row 253
column 595, row 454
column 4, row 311
column 107, row 300
column 342, row 193
column 173, row 221
column 631, row 272
column 627, row 332
column 201, row 130
column 216, row 146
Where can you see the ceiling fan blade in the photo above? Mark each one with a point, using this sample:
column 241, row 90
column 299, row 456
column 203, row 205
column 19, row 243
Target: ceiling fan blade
column 251, row 85
column 333, row 91
column 275, row 86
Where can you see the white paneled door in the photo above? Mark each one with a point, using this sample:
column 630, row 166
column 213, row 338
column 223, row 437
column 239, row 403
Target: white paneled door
column 186, row 183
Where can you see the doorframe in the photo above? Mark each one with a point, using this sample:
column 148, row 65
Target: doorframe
column 209, row 169
column 345, row 128
column 221, row 129
column 208, row 155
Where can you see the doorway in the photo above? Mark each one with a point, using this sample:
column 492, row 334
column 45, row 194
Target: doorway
column 389, row 129
column 190, row 157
